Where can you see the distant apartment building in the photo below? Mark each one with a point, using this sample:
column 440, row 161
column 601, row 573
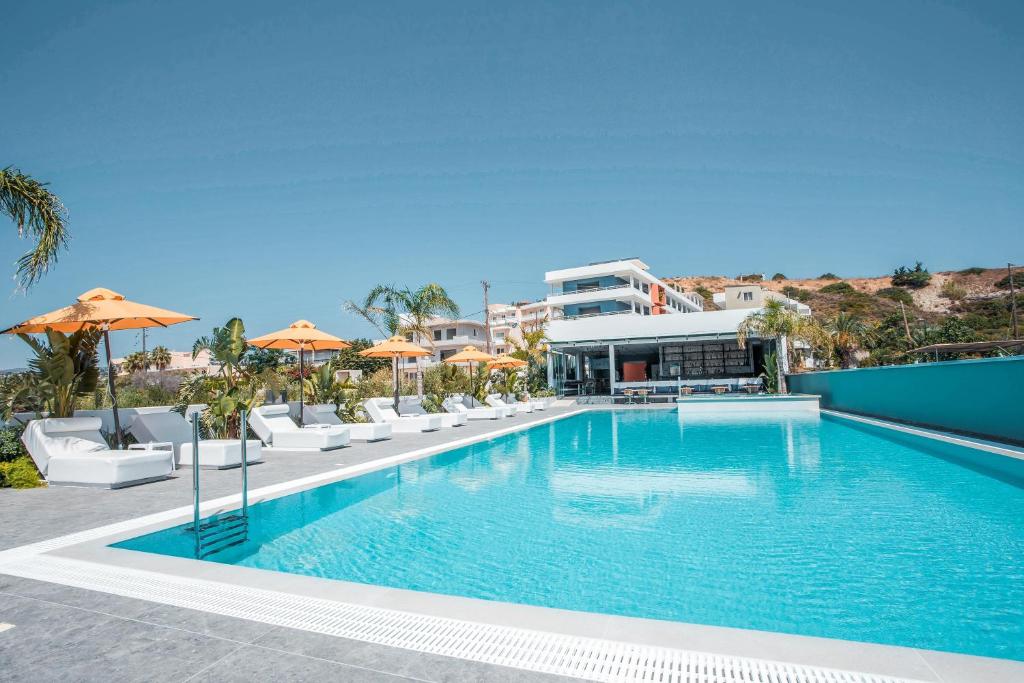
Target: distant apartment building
column 181, row 360
column 446, row 338
column 754, row 296
column 509, row 321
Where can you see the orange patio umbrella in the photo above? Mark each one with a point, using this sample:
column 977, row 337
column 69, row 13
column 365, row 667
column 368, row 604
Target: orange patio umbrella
column 470, row 355
column 104, row 310
column 300, row 336
column 394, row 348
column 506, row 361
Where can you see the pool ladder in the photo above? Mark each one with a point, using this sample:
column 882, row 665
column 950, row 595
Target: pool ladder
column 222, row 531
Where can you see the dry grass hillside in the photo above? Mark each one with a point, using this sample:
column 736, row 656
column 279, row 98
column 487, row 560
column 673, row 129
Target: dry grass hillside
column 967, row 292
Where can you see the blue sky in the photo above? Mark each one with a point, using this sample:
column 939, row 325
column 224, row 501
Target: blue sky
column 270, row 160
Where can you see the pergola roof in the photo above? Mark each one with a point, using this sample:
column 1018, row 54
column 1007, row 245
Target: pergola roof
column 968, row 347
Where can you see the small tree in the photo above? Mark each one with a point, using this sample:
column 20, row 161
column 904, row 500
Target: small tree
column 848, row 335
column 915, row 278
column 780, row 324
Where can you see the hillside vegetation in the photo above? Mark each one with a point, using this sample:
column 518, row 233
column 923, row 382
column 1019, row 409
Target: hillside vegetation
column 952, row 306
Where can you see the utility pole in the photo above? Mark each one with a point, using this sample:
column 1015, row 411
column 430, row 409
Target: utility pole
column 487, row 316
column 1013, row 300
column 906, row 325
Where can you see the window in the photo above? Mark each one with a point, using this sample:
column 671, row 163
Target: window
column 588, row 310
column 437, row 335
column 647, row 310
column 748, row 296
column 586, row 286
column 449, row 333
column 647, row 290
column 474, row 331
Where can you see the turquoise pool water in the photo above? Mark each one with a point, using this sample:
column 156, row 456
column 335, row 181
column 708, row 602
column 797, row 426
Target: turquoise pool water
column 793, row 524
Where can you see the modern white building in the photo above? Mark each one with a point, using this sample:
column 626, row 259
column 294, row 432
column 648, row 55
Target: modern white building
column 616, row 287
column 622, row 328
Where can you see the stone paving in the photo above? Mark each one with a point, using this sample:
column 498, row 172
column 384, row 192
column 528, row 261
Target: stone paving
column 70, row 634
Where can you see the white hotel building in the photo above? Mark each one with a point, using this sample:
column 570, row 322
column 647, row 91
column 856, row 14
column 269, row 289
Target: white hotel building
column 615, row 326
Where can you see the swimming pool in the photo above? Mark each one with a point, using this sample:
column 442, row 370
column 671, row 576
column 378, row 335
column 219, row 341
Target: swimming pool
column 792, row 523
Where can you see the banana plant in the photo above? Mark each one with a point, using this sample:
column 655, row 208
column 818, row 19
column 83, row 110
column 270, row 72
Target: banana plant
column 64, row 369
column 232, row 390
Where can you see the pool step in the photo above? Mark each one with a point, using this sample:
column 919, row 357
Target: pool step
column 220, row 533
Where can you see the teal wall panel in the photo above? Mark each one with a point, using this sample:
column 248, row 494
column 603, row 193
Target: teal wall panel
column 983, row 397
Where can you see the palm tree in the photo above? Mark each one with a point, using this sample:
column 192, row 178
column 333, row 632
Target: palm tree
column 134, row 362
column 40, row 215
column 777, row 322
column 406, row 311
column 533, row 349
column 160, row 357
column 848, row 335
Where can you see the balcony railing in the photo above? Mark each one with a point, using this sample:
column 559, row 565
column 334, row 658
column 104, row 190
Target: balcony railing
column 598, row 315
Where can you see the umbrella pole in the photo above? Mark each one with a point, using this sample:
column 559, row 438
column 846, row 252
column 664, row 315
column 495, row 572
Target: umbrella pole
column 302, row 384
column 472, row 386
column 394, row 364
column 111, row 390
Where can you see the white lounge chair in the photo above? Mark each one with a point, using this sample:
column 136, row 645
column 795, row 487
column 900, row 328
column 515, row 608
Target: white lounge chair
column 325, row 414
column 382, row 410
column 70, row 451
column 457, row 407
column 272, row 424
column 213, row 453
column 414, row 406
column 496, row 401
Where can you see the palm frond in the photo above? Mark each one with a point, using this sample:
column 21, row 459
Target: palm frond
column 40, row 215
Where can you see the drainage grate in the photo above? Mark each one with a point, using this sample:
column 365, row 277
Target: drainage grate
column 589, row 658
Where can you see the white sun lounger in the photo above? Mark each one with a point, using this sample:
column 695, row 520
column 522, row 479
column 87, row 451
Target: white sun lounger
column 496, row 401
column 213, row 453
column 382, row 410
column 70, row 451
column 272, row 424
column 414, row 406
column 453, row 405
column 324, row 414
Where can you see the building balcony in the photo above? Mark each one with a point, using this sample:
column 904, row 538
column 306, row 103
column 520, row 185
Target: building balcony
column 585, row 296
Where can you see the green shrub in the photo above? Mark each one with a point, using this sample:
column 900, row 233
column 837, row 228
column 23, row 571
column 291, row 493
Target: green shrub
column 837, row 288
column 704, row 292
column 828, row 276
column 11, row 447
column 801, row 295
column 915, row 278
column 20, row 473
column 897, row 294
column 953, row 290
column 1018, row 281
column 778, row 276
column 974, row 270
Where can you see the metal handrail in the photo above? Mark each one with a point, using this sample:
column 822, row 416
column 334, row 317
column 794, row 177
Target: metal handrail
column 234, row 528
column 595, row 289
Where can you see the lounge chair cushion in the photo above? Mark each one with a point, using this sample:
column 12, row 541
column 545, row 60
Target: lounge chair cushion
column 72, row 451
